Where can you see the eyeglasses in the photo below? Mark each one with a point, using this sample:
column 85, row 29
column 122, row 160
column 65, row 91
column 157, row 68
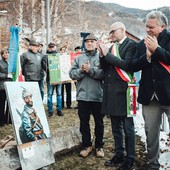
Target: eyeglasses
column 113, row 31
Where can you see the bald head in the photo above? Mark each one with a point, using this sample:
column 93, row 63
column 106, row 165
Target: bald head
column 116, row 26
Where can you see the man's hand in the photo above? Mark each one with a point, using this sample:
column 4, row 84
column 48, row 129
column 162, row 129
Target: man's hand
column 102, row 48
column 148, row 54
column 86, row 66
column 151, row 43
column 99, row 49
column 35, row 139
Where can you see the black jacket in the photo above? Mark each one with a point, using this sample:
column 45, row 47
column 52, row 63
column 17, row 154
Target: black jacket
column 114, row 94
column 31, row 66
column 154, row 77
column 3, row 73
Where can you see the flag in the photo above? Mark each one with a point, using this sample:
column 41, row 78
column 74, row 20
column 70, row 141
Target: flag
column 83, row 35
column 14, row 61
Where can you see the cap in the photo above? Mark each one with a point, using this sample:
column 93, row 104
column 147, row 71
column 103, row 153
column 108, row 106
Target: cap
column 77, row 48
column 51, row 44
column 40, row 43
column 33, row 43
column 25, row 93
column 90, row 37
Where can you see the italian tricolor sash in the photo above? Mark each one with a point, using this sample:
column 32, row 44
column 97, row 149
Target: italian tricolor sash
column 131, row 90
column 167, row 67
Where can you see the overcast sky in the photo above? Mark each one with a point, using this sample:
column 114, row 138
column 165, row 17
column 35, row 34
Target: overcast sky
column 143, row 4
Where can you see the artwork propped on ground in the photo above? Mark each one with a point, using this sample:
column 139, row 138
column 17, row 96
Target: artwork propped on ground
column 30, row 124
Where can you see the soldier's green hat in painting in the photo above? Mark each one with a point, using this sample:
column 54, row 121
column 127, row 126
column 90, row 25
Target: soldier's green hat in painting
column 26, row 93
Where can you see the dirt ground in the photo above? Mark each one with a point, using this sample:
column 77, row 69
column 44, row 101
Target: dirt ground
column 71, row 160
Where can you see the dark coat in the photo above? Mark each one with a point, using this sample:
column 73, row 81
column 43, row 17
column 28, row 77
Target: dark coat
column 154, row 77
column 31, row 66
column 114, row 97
column 3, row 74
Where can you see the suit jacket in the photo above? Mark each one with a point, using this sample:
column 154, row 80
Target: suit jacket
column 154, row 78
column 114, row 96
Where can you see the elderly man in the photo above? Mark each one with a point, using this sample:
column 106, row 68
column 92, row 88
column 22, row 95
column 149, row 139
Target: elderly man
column 31, row 64
column 153, row 58
column 86, row 70
column 115, row 60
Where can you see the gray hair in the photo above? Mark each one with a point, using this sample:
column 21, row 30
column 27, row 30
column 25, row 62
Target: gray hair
column 162, row 19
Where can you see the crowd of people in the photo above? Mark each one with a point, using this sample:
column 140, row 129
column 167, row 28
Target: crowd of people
column 101, row 87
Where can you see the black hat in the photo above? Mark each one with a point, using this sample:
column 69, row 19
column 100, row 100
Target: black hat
column 33, row 43
column 90, row 37
column 51, row 44
column 77, row 48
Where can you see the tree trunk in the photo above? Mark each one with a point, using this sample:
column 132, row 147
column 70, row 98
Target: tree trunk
column 33, row 15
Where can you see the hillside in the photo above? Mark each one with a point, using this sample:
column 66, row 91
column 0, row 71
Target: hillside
column 68, row 18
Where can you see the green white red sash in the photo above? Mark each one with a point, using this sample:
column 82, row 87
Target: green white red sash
column 167, row 67
column 131, row 90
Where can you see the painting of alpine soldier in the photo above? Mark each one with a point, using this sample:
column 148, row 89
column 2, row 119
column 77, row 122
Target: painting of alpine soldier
column 31, row 128
column 30, row 124
column 27, row 112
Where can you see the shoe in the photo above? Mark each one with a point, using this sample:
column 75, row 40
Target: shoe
column 69, row 107
column 50, row 114
column 115, row 160
column 2, row 123
column 60, row 113
column 86, row 151
column 99, row 153
column 127, row 165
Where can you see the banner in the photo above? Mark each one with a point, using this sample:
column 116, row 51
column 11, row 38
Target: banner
column 14, row 66
column 73, row 55
column 59, row 66
column 13, row 49
column 83, row 35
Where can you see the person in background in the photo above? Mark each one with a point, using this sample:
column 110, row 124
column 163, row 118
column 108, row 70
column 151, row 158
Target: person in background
column 40, row 50
column 50, row 87
column 4, row 76
column 153, row 59
column 66, row 86
column 40, row 46
column 115, row 94
column 86, row 70
column 31, row 65
column 77, row 51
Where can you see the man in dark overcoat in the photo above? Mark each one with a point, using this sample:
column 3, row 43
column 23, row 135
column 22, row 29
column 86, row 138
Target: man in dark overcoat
column 114, row 97
column 153, row 59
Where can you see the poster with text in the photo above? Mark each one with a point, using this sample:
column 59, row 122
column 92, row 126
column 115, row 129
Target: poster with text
column 59, row 66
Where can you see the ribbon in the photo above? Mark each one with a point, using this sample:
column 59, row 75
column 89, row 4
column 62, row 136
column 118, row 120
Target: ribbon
column 131, row 90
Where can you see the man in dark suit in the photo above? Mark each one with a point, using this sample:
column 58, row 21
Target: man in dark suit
column 114, row 97
column 153, row 58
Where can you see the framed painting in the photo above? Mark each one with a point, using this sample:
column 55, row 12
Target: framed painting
column 30, row 124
